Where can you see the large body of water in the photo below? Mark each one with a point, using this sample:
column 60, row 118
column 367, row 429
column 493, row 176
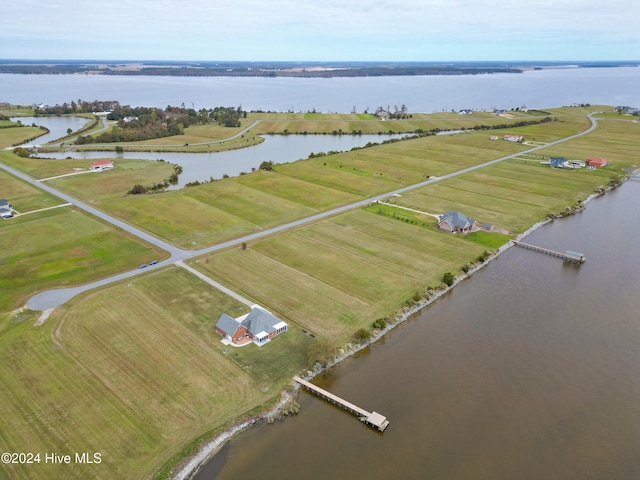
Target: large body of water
column 425, row 94
column 528, row 370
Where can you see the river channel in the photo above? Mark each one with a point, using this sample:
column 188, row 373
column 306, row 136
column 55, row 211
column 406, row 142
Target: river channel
column 527, row 370
column 276, row 148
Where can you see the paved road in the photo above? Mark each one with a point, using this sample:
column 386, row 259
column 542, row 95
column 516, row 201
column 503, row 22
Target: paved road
column 53, row 298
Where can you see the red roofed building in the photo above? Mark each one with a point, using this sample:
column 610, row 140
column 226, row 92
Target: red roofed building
column 100, row 165
column 597, row 162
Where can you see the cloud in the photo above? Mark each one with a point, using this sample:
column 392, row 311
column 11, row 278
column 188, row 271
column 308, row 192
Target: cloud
column 228, row 29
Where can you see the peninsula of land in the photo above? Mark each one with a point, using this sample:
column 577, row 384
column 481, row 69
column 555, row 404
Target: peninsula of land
column 282, row 69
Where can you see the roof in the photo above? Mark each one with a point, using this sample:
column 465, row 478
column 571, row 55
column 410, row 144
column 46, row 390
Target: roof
column 103, row 162
column 259, row 320
column 227, row 324
column 457, row 219
column 4, row 202
column 597, row 161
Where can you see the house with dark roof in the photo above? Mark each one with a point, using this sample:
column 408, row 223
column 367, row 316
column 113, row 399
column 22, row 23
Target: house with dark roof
column 258, row 326
column 558, row 162
column 456, row 222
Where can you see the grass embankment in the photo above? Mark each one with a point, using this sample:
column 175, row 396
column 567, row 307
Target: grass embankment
column 196, row 139
column 144, row 374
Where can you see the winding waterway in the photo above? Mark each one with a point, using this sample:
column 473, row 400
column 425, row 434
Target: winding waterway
column 276, row 148
column 527, row 370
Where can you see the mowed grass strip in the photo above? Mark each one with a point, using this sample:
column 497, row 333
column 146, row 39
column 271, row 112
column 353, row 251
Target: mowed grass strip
column 337, row 275
column 299, row 191
column 136, row 372
column 184, row 221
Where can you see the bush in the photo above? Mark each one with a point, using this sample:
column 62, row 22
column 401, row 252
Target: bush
column 138, row 189
column 22, row 152
column 448, row 278
column 362, row 335
column 380, row 324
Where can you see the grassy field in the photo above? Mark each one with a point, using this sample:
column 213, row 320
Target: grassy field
column 349, row 123
column 618, row 140
column 116, row 182
column 58, row 247
column 62, row 247
column 512, row 195
column 136, row 380
column 17, row 135
column 336, row 276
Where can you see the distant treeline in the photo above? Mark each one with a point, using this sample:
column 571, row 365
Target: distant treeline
column 243, row 71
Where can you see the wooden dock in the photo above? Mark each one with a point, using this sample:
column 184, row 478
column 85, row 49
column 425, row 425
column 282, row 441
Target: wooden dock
column 372, row 419
column 568, row 256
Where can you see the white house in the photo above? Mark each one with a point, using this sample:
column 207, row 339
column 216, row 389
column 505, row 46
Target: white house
column 102, row 165
column 513, row 138
column 6, row 210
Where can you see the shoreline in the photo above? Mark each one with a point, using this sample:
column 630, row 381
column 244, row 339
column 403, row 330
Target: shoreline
column 192, row 465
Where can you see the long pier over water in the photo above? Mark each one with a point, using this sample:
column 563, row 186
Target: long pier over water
column 568, row 256
column 370, row 418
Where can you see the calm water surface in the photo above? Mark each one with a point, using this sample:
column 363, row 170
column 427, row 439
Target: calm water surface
column 528, row 370
column 536, row 89
column 275, row 148
column 57, row 126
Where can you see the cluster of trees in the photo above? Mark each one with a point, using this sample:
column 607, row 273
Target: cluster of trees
column 144, row 123
column 139, row 189
column 80, row 106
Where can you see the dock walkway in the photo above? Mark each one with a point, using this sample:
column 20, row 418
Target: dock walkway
column 568, row 256
column 370, row 418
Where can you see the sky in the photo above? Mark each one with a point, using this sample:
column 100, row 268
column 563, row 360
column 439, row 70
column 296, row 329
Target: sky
column 321, row 30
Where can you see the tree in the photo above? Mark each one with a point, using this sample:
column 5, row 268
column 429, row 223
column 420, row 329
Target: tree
column 69, row 131
column 138, row 189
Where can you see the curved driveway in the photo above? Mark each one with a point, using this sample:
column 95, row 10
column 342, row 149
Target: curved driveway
column 53, row 298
